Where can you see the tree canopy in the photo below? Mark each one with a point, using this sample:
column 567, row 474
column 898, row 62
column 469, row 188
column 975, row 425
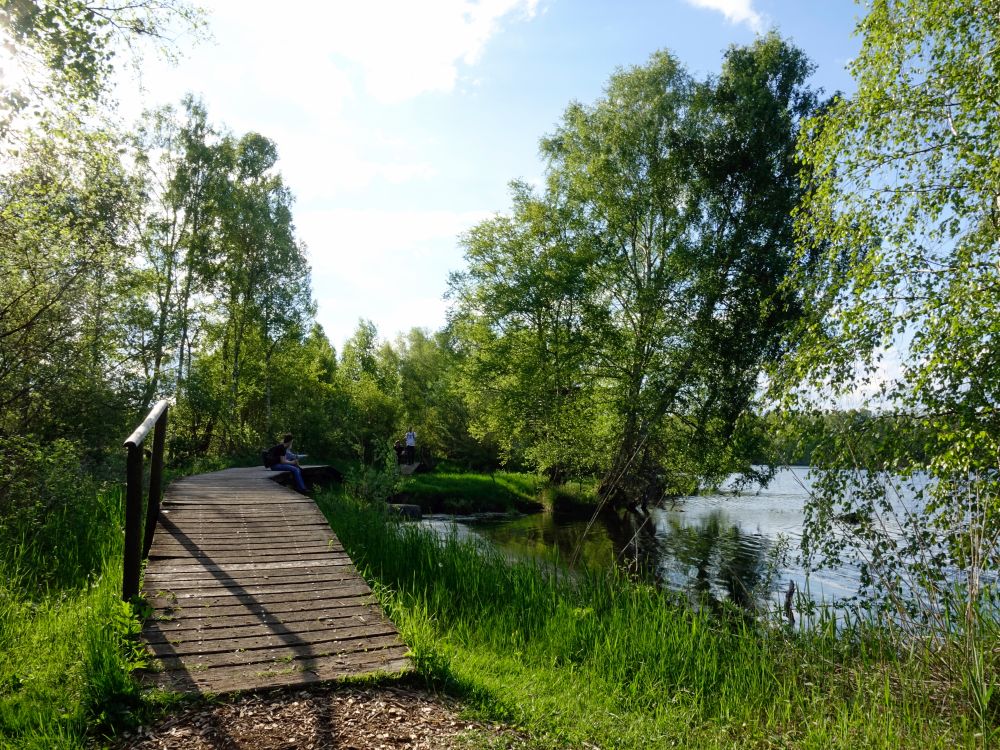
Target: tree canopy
column 620, row 320
column 901, row 207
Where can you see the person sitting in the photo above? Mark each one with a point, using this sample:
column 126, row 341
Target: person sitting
column 291, row 457
column 280, row 460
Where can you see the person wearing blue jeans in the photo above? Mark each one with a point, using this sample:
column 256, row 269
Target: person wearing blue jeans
column 280, row 461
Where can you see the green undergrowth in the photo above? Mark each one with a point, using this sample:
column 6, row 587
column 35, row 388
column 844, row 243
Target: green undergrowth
column 467, row 492
column 460, row 492
column 597, row 659
column 66, row 638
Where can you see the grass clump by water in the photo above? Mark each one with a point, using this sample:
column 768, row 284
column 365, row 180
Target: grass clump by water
column 600, row 659
column 444, row 491
column 451, row 490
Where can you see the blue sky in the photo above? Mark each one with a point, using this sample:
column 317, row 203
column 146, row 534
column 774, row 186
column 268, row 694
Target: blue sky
column 400, row 122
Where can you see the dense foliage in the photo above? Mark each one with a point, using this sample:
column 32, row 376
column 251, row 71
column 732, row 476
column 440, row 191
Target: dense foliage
column 695, row 243
column 902, row 209
column 618, row 322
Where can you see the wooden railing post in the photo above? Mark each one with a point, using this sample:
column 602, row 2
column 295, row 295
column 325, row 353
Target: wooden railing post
column 133, row 519
column 155, row 482
column 136, row 542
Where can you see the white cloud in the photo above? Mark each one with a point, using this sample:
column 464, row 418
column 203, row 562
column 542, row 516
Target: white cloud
column 351, row 242
column 735, row 11
column 326, row 81
column 306, row 75
column 389, row 266
column 407, row 48
column 400, row 48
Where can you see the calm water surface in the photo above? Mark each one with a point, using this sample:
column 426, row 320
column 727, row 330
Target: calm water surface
column 728, row 546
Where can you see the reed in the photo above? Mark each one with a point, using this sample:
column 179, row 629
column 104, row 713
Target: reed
column 593, row 657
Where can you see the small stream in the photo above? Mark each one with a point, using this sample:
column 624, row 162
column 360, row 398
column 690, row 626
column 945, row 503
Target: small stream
column 736, row 547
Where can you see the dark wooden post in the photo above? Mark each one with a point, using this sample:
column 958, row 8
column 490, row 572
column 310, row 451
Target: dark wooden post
column 155, row 482
column 137, row 543
column 133, row 519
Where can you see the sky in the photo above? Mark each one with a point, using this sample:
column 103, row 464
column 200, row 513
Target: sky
column 400, row 123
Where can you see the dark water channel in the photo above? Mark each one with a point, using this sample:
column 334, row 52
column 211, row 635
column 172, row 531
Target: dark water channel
column 736, row 547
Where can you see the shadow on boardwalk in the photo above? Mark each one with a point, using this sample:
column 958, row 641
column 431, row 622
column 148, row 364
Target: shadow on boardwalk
column 251, row 589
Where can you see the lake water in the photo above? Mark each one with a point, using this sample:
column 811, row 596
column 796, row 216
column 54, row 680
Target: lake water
column 726, row 546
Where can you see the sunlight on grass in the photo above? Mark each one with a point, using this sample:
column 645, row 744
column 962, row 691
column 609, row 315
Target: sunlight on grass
column 601, row 659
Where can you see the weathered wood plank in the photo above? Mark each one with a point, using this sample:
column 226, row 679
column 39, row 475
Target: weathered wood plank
column 341, row 637
column 255, row 594
column 172, row 602
column 239, row 557
column 273, row 609
column 286, row 653
column 250, row 588
column 196, row 580
column 221, row 680
column 220, row 627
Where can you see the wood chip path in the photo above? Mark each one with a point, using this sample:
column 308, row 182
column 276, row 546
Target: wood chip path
column 250, row 589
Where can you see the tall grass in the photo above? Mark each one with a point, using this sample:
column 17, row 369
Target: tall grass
column 65, row 648
column 602, row 659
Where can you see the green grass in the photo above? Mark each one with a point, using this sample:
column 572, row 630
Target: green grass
column 467, row 492
column 599, row 659
column 65, row 648
column 447, row 490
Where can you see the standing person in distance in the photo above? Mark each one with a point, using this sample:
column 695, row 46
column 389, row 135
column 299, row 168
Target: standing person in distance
column 411, row 446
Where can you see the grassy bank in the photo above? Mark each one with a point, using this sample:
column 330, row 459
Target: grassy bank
column 444, row 491
column 452, row 491
column 65, row 653
column 607, row 661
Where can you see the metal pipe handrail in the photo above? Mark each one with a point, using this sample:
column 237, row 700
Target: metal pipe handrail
column 136, row 545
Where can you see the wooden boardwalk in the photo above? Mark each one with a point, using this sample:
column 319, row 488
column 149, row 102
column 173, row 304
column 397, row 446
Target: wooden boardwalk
column 251, row 589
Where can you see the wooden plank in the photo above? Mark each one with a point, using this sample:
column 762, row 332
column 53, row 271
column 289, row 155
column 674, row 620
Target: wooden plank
column 219, row 627
column 301, row 652
column 243, row 508
column 236, row 557
column 210, row 540
column 172, row 566
column 256, row 594
column 259, row 602
column 260, row 594
column 194, row 580
column 220, row 548
column 350, row 636
column 252, row 589
column 222, row 680
column 273, row 609
column 242, row 540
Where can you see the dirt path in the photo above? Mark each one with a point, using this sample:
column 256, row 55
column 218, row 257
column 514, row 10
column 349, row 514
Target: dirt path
column 346, row 718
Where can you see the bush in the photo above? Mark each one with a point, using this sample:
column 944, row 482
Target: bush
column 378, row 481
column 52, row 517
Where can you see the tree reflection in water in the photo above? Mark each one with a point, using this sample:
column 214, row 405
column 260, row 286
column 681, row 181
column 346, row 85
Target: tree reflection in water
column 722, row 561
column 712, row 559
